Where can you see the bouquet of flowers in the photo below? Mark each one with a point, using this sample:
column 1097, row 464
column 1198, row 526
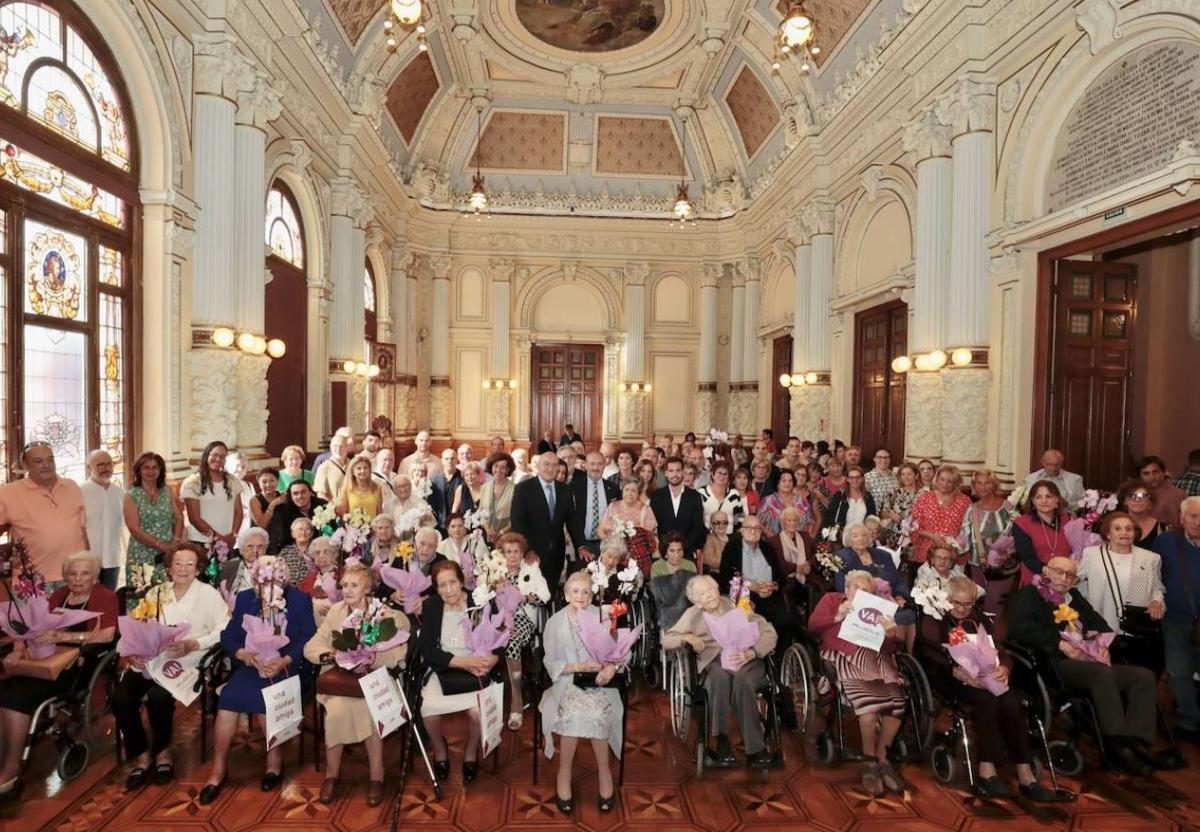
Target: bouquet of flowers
column 411, row 581
column 491, row 633
column 1002, row 552
column 739, row 593
column 143, row 633
column 490, row 573
column 408, row 522
column 977, row 657
column 624, row 528
column 829, row 562
column 531, row 583
column 627, row 579
column 328, row 584
column 30, row 617
column 365, row 633
column 323, row 519
column 1016, row 497
column 353, row 536
column 218, row 553
column 734, row 632
column 1095, row 504
column 476, row 520
column 265, row 632
column 422, row 487
column 908, row 528
column 141, row 575
column 604, row 644
column 932, row 598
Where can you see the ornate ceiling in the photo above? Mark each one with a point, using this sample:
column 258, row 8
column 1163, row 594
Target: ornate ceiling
column 584, row 102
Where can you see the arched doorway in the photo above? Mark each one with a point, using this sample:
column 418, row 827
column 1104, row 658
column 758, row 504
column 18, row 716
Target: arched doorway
column 286, row 318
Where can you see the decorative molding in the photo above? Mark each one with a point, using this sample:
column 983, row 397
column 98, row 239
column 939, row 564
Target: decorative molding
column 970, row 107
column 1100, row 20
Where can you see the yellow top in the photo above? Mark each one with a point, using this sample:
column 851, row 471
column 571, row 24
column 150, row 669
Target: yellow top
column 368, row 501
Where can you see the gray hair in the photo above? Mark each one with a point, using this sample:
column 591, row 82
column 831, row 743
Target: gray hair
column 962, row 583
column 614, row 543
column 853, row 527
column 790, row 511
column 860, row 577
column 319, row 544
column 82, row 555
column 428, row 531
column 253, row 532
column 580, row 577
column 697, row 583
column 301, row 520
column 1189, row 503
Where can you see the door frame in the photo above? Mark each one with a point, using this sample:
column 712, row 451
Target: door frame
column 1044, row 320
column 777, row 390
column 534, row 346
column 888, row 307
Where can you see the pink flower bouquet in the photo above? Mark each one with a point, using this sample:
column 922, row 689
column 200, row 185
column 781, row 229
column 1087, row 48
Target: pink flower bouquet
column 1094, row 645
column 412, row 582
column 261, row 638
column 329, row 585
column 490, row 634
column 978, row 659
column 734, row 632
column 25, row 620
column 599, row 642
column 146, row 638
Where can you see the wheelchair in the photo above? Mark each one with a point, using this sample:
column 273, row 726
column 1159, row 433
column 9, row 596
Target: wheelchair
column 687, row 697
column 79, row 718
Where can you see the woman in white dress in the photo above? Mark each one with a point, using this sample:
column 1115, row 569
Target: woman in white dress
column 453, row 676
column 576, row 713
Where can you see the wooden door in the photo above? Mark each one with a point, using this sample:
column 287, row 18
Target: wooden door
column 286, row 317
column 1091, row 363
column 880, row 334
column 567, row 388
column 781, row 400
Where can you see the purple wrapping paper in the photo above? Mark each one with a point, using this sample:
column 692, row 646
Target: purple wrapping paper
column 508, row 600
column 484, row 638
column 598, row 640
column 978, row 660
column 329, row 585
column 1094, row 645
column 146, row 639
column 409, row 581
column 735, row 632
column 261, row 639
column 38, row 618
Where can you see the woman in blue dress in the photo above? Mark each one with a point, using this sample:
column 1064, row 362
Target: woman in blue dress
column 860, row 554
column 271, row 599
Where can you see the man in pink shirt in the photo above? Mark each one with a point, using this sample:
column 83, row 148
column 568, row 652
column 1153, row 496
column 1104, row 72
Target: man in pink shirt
column 45, row 511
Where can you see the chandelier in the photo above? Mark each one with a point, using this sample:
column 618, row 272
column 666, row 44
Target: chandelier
column 797, row 36
column 477, row 201
column 683, row 209
column 407, row 15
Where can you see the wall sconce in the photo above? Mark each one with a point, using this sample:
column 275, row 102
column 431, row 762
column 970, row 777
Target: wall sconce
column 222, row 337
column 635, row 387
column 901, row 364
column 499, row 384
column 961, row 357
column 810, row 377
column 276, row 348
column 937, row 360
column 373, row 371
column 348, row 366
column 245, row 342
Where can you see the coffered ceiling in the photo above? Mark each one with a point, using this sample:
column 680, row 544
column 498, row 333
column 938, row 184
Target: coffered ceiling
column 584, row 102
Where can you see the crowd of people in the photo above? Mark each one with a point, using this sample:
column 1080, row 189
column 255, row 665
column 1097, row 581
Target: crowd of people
column 704, row 526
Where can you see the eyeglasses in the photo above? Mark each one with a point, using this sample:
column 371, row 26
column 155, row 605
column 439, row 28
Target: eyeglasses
column 720, row 522
column 755, row 529
column 1067, row 574
column 1139, row 495
column 962, row 604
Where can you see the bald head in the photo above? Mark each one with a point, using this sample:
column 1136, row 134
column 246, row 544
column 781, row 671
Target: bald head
column 594, row 463
column 1052, row 462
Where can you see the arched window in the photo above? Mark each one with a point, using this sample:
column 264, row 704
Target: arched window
column 284, row 235
column 370, row 321
column 68, row 193
column 286, row 320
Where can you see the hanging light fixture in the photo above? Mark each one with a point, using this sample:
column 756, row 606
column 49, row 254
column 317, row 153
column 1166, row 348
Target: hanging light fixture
column 405, row 14
column 477, row 202
column 683, row 209
column 797, row 36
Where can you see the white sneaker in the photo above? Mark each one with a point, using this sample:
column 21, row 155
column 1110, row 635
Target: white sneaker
column 515, row 721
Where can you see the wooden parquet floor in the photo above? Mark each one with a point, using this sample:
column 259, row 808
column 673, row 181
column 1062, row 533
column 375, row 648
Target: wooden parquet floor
column 661, row 792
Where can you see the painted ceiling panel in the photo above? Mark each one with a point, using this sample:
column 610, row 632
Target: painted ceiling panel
column 410, row 94
column 522, row 142
column 637, row 146
column 752, row 109
column 354, row 15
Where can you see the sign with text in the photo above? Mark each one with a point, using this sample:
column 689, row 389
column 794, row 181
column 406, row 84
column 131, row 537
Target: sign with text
column 176, row 677
column 491, row 716
column 383, row 699
column 862, row 626
column 284, row 711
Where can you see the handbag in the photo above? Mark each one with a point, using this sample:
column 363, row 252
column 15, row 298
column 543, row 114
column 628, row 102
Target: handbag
column 339, row 682
column 1135, row 622
column 455, row 681
column 1187, row 583
column 587, row 680
column 49, row 668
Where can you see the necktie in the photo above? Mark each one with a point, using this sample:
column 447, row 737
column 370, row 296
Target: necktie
column 549, row 486
column 594, row 512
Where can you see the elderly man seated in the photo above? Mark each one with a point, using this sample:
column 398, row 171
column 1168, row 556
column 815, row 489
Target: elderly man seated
column 738, row 687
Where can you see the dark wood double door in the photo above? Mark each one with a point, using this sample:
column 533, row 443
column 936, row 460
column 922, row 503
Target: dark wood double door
column 567, row 382
column 880, row 335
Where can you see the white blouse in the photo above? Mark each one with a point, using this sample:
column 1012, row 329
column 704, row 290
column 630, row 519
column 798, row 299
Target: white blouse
column 1138, row 580
column 201, row 607
column 215, row 507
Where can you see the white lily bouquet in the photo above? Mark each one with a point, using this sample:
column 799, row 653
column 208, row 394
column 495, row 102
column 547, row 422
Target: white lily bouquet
column 931, row 597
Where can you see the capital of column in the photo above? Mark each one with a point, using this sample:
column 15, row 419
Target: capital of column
column 737, row 277
column 818, row 216
column 636, row 274
column 439, row 264
column 374, row 235
column 502, row 269
column 710, row 275
column 752, row 265
column 927, row 136
column 799, row 232
column 970, row 107
column 217, row 65
column 348, row 199
column 399, row 256
column 258, row 102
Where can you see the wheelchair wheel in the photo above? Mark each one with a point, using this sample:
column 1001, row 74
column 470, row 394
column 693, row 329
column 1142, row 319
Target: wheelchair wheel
column 1067, row 759
column 798, row 679
column 826, row 748
column 99, row 727
column 679, row 681
column 72, row 760
column 650, row 673
column 1037, row 695
column 923, row 708
column 944, row 763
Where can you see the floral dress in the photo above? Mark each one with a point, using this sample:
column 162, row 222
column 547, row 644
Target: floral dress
column 157, row 519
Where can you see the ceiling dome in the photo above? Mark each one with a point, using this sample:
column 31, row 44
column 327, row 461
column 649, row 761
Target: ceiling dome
column 591, row 25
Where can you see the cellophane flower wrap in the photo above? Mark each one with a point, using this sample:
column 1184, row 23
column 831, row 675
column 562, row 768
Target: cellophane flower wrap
column 489, row 635
column 411, row 581
column 364, row 633
column 143, row 632
column 739, row 593
column 266, row 633
column 1094, row 645
column 601, row 644
column 1003, row 551
column 829, row 563
column 24, row 620
column 734, row 632
column 978, row 659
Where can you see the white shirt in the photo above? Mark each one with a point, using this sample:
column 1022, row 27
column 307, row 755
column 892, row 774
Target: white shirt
column 856, row 511
column 202, row 608
column 215, row 507
column 104, row 509
column 415, row 458
column 609, row 470
column 1069, row 485
column 676, row 498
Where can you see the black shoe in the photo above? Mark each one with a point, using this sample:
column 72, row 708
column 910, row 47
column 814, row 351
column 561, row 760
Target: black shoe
column 271, row 781
column 136, row 779
column 1125, row 758
column 1169, row 759
column 1191, row 735
column 713, row 759
column 724, row 749
column 441, row 770
column 470, row 770
column 992, row 787
column 606, row 804
column 760, row 760
column 210, row 792
column 1040, row 794
column 565, row 805
column 164, row 773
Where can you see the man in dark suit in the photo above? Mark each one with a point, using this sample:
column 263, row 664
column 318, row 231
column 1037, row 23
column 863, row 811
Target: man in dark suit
column 541, row 508
column 749, row 555
column 678, row 508
column 546, row 444
column 590, row 496
column 569, row 436
column 443, row 484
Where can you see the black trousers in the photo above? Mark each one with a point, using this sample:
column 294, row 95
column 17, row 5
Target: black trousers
column 1124, row 696
column 127, row 710
column 1000, row 725
column 775, row 609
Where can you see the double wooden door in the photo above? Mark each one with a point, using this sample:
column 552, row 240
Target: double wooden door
column 286, row 318
column 880, row 335
column 567, row 387
column 781, row 400
column 1091, row 362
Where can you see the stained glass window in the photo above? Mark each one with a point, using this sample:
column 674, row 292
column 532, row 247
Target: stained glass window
column 283, row 229
column 36, row 174
column 112, row 267
column 68, row 90
column 368, row 290
column 3, row 348
column 112, row 376
column 56, row 404
column 55, row 272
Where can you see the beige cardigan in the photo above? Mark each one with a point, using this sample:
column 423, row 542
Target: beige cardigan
column 692, row 622
column 322, row 643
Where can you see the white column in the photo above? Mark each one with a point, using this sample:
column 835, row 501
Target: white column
column 346, row 262
column 706, row 393
column 500, row 398
column 817, row 397
column 439, row 350
column 970, row 110
column 633, row 404
column 256, row 107
column 928, row 139
column 401, row 300
column 737, row 350
column 750, row 348
column 801, row 287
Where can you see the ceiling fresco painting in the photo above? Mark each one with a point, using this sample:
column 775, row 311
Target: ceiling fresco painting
column 591, row 25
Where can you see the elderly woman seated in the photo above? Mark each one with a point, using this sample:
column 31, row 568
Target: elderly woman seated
column 347, row 718
column 868, row 679
column 270, row 598
column 383, row 540
column 999, row 719
column 940, row 568
column 425, row 556
column 736, row 688
column 534, row 593
column 454, row 677
column 579, row 708
column 860, row 554
column 20, row 696
column 326, row 573
column 181, row 600
column 614, row 558
column 296, row 554
column 1053, row 620
column 235, row 572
